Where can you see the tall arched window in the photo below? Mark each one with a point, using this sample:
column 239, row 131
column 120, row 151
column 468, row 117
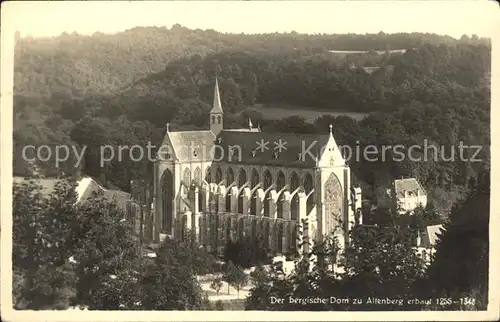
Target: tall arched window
column 294, row 203
column 268, row 181
column 229, row 176
column 197, row 176
column 242, row 179
column 167, row 194
column 218, row 176
column 208, row 175
column 308, row 187
column 255, row 178
column 333, row 204
column 254, row 182
column 280, row 183
column 187, row 177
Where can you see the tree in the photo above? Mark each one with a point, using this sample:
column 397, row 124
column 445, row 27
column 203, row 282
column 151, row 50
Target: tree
column 259, row 275
column 381, row 261
column 63, row 251
column 276, row 284
column 240, row 280
column 104, row 245
column 169, row 283
column 235, row 276
column 460, row 265
column 43, row 276
column 86, row 253
column 216, row 284
column 170, row 287
column 118, row 292
column 219, row 306
column 189, row 254
column 227, row 274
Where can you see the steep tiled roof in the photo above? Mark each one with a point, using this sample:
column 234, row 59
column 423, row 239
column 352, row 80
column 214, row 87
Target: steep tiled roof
column 197, row 146
column 249, row 142
column 409, row 184
column 190, row 145
column 88, row 186
column 85, row 188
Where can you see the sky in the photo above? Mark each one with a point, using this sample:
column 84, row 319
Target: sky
column 454, row 18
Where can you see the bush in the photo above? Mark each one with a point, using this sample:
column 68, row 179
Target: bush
column 219, row 306
column 216, row 284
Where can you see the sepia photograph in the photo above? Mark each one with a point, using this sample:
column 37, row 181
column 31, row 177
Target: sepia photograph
column 266, row 160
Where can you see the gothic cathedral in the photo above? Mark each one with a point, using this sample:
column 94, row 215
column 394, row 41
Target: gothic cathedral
column 223, row 184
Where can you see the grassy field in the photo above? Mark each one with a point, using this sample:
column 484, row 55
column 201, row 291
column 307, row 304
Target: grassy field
column 273, row 112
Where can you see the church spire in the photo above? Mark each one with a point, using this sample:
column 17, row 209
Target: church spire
column 217, row 107
column 216, row 113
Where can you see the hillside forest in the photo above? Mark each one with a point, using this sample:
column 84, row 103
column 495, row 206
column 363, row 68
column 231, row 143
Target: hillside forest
column 121, row 89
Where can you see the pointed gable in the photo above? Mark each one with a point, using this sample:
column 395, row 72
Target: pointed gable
column 331, row 155
column 189, row 145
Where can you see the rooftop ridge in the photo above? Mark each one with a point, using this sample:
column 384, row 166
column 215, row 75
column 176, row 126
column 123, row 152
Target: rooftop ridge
column 322, row 135
column 189, row 131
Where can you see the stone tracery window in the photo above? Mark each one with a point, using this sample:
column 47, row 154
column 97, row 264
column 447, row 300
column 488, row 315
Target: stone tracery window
column 218, row 176
column 294, row 181
column 208, row 175
column 242, row 179
column 197, row 176
column 187, row 177
column 294, row 203
column 229, row 176
column 167, row 187
column 280, row 181
column 333, row 204
column 308, row 183
column 268, row 179
column 280, row 184
column 255, row 178
column 308, row 187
